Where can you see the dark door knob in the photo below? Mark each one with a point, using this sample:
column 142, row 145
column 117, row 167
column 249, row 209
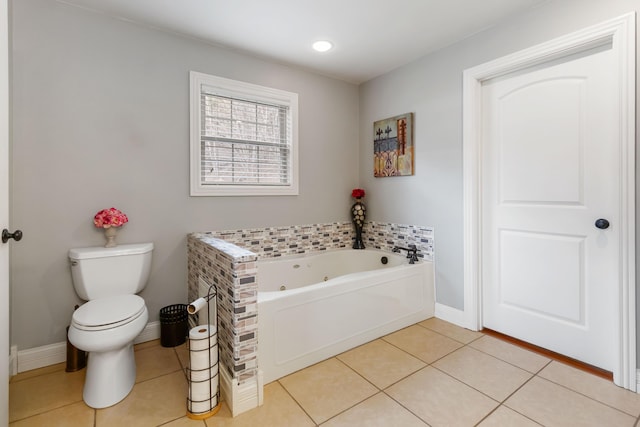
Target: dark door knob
column 602, row 223
column 17, row 235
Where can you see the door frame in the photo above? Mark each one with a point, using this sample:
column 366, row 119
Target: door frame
column 620, row 32
column 4, row 214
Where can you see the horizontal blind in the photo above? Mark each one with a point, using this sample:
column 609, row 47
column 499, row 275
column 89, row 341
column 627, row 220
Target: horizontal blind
column 244, row 142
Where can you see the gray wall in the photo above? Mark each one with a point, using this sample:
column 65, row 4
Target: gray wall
column 100, row 113
column 432, row 88
column 100, row 118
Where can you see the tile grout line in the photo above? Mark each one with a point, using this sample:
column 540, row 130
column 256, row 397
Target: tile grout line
column 512, row 364
column 500, row 403
column 296, row 400
column 404, row 407
column 379, row 390
column 427, row 364
column 384, row 391
column 439, row 370
column 48, row 410
column 552, row 360
column 584, row 395
column 44, row 374
column 549, row 354
column 361, row 376
column 204, row 423
column 157, row 376
column 537, row 375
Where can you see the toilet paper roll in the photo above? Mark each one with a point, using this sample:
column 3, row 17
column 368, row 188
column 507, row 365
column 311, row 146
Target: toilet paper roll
column 200, row 360
column 198, row 337
column 201, row 344
column 203, row 374
column 202, row 363
column 202, row 407
column 203, row 390
column 203, row 347
column 197, row 305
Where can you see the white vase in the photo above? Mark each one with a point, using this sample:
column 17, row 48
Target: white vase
column 110, row 234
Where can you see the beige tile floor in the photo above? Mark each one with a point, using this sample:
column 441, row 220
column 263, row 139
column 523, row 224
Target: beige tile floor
column 429, row 374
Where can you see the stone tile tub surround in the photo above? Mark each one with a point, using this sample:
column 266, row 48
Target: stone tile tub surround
column 297, row 239
column 228, row 260
column 232, row 270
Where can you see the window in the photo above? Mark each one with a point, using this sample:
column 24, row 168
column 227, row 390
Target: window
column 243, row 138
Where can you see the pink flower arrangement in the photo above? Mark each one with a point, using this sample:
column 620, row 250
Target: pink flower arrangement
column 111, row 217
column 357, row 193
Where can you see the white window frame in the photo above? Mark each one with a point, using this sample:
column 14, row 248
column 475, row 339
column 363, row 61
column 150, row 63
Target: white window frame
column 251, row 92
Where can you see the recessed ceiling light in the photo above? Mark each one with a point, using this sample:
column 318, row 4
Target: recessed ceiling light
column 322, row 45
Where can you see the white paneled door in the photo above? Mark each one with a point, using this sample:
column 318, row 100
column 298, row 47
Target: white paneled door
column 551, row 205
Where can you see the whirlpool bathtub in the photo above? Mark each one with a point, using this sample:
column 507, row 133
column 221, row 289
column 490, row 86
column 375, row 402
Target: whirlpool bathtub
column 316, row 306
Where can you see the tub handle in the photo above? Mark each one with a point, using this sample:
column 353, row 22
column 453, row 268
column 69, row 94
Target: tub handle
column 412, row 252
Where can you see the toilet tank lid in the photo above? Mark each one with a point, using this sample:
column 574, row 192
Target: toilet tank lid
column 102, row 252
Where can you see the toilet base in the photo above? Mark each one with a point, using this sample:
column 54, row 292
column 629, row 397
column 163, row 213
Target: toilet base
column 110, row 377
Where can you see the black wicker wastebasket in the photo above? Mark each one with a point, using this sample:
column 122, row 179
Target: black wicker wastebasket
column 173, row 325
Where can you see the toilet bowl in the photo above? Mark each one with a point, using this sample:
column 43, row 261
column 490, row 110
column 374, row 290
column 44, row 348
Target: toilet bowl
column 113, row 316
column 106, row 328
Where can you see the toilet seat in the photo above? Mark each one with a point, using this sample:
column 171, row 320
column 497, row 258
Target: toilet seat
column 108, row 313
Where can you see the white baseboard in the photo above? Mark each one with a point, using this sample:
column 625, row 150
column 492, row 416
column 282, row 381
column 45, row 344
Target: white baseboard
column 241, row 398
column 39, row 357
column 451, row 315
column 149, row 333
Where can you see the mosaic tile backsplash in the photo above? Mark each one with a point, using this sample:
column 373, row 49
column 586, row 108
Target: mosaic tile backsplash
column 297, row 239
column 228, row 260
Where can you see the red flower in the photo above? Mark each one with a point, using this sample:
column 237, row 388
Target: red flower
column 357, row 193
column 110, row 218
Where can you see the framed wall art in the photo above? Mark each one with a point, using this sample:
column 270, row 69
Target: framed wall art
column 393, row 146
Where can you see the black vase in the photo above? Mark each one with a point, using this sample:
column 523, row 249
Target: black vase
column 358, row 214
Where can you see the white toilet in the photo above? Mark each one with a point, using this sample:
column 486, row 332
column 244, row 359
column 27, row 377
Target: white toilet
column 106, row 325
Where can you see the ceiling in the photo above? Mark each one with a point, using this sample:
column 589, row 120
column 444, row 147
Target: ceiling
column 370, row 37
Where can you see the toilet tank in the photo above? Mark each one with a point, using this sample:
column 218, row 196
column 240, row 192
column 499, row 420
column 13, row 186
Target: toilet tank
column 99, row 272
